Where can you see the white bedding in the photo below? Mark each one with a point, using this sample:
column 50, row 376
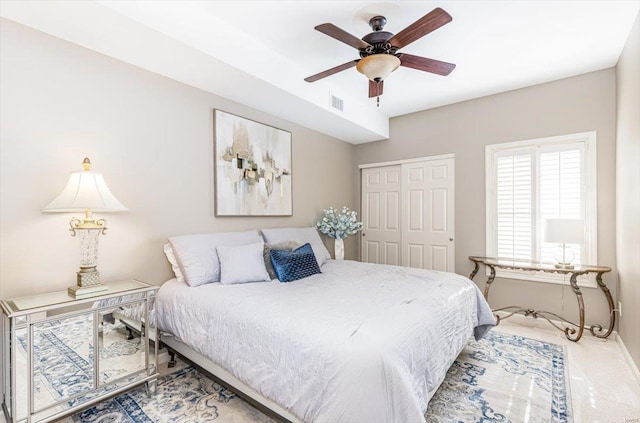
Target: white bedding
column 357, row 343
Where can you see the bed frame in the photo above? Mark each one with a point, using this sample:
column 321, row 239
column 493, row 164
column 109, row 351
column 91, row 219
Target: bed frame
column 203, row 363
column 249, row 394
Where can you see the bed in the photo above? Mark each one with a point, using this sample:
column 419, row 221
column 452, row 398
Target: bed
column 358, row 342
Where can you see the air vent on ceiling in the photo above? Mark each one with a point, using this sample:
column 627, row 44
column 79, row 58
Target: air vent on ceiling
column 337, row 103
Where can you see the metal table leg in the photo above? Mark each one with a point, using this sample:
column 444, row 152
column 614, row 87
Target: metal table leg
column 568, row 331
column 612, row 315
column 487, row 285
column 474, row 271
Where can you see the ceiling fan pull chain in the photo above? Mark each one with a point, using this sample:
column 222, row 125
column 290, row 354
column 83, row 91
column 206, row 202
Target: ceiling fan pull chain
column 378, row 102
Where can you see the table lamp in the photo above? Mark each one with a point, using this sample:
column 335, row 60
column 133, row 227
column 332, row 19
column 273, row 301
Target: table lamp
column 86, row 192
column 564, row 231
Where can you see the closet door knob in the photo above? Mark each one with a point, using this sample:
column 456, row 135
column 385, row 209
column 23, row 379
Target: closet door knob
column 450, row 239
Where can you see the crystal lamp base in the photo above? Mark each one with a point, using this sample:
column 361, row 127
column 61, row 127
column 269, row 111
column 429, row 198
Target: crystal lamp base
column 88, row 279
column 88, row 276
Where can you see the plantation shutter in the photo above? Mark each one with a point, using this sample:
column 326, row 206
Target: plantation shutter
column 530, row 181
column 534, row 184
column 561, row 191
column 514, row 201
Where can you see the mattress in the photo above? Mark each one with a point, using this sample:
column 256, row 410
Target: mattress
column 359, row 342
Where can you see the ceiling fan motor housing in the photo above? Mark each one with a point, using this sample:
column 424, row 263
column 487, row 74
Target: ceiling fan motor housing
column 378, row 39
column 378, row 44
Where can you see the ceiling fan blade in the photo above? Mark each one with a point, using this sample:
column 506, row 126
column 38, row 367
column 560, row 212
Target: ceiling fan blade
column 426, row 24
column 426, row 65
column 329, row 72
column 375, row 88
column 341, row 35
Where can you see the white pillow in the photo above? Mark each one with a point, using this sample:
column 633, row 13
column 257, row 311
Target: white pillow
column 301, row 236
column 168, row 251
column 197, row 256
column 242, row 264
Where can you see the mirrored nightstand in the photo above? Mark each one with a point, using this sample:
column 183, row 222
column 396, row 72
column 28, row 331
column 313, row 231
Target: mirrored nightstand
column 62, row 354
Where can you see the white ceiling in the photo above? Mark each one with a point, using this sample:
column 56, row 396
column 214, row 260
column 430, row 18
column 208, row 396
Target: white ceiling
column 258, row 52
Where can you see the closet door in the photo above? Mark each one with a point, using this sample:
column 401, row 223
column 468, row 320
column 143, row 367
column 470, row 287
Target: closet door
column 428, row 215
column 381, row 201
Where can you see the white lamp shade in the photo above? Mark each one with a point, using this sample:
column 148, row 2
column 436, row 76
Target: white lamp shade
column 564, row 231
column 378, row 66
column 85, row 190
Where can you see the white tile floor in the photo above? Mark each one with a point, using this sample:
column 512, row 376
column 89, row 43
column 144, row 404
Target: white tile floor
column 603, row 388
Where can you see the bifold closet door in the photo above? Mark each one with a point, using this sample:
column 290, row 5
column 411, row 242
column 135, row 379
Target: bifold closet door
column 381, row 202
column 427, row 220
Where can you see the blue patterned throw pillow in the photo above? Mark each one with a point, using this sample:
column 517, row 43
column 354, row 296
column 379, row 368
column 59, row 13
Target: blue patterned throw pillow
column 293, row 265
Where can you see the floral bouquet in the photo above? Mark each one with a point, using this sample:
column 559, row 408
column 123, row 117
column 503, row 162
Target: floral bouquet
column 339, row 225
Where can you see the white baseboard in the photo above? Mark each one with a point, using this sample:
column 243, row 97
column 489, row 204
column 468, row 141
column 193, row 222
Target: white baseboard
column 629, row 360
column 543, row 324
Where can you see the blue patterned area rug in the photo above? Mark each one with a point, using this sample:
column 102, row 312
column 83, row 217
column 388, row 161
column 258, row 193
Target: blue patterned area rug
column 505, row 378
column 502, row 378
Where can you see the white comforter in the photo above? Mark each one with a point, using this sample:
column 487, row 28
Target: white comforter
column 357, row 343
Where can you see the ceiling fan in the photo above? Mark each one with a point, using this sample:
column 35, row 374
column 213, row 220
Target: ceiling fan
column 379, row 50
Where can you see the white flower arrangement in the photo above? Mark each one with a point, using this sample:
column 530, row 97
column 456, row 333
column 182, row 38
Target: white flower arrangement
column 339, row 225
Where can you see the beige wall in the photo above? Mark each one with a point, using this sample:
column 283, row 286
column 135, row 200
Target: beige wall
column 628, row 191
column 151, row 137
column 578, row 104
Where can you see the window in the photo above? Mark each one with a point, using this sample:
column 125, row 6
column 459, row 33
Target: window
column 530, row 181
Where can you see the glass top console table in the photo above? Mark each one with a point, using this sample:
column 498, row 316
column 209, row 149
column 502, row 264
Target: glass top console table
column 573, row 332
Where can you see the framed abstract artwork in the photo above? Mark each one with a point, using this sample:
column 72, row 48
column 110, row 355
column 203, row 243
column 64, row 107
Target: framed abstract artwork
column 252, row 166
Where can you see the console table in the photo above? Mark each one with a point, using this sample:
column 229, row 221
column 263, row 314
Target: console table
column 596, row 330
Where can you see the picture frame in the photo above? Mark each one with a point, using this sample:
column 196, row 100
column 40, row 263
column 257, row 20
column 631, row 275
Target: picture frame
column 252, row 167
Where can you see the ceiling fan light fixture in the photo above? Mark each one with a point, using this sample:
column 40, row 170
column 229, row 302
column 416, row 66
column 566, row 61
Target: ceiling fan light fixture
column 377, row 67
